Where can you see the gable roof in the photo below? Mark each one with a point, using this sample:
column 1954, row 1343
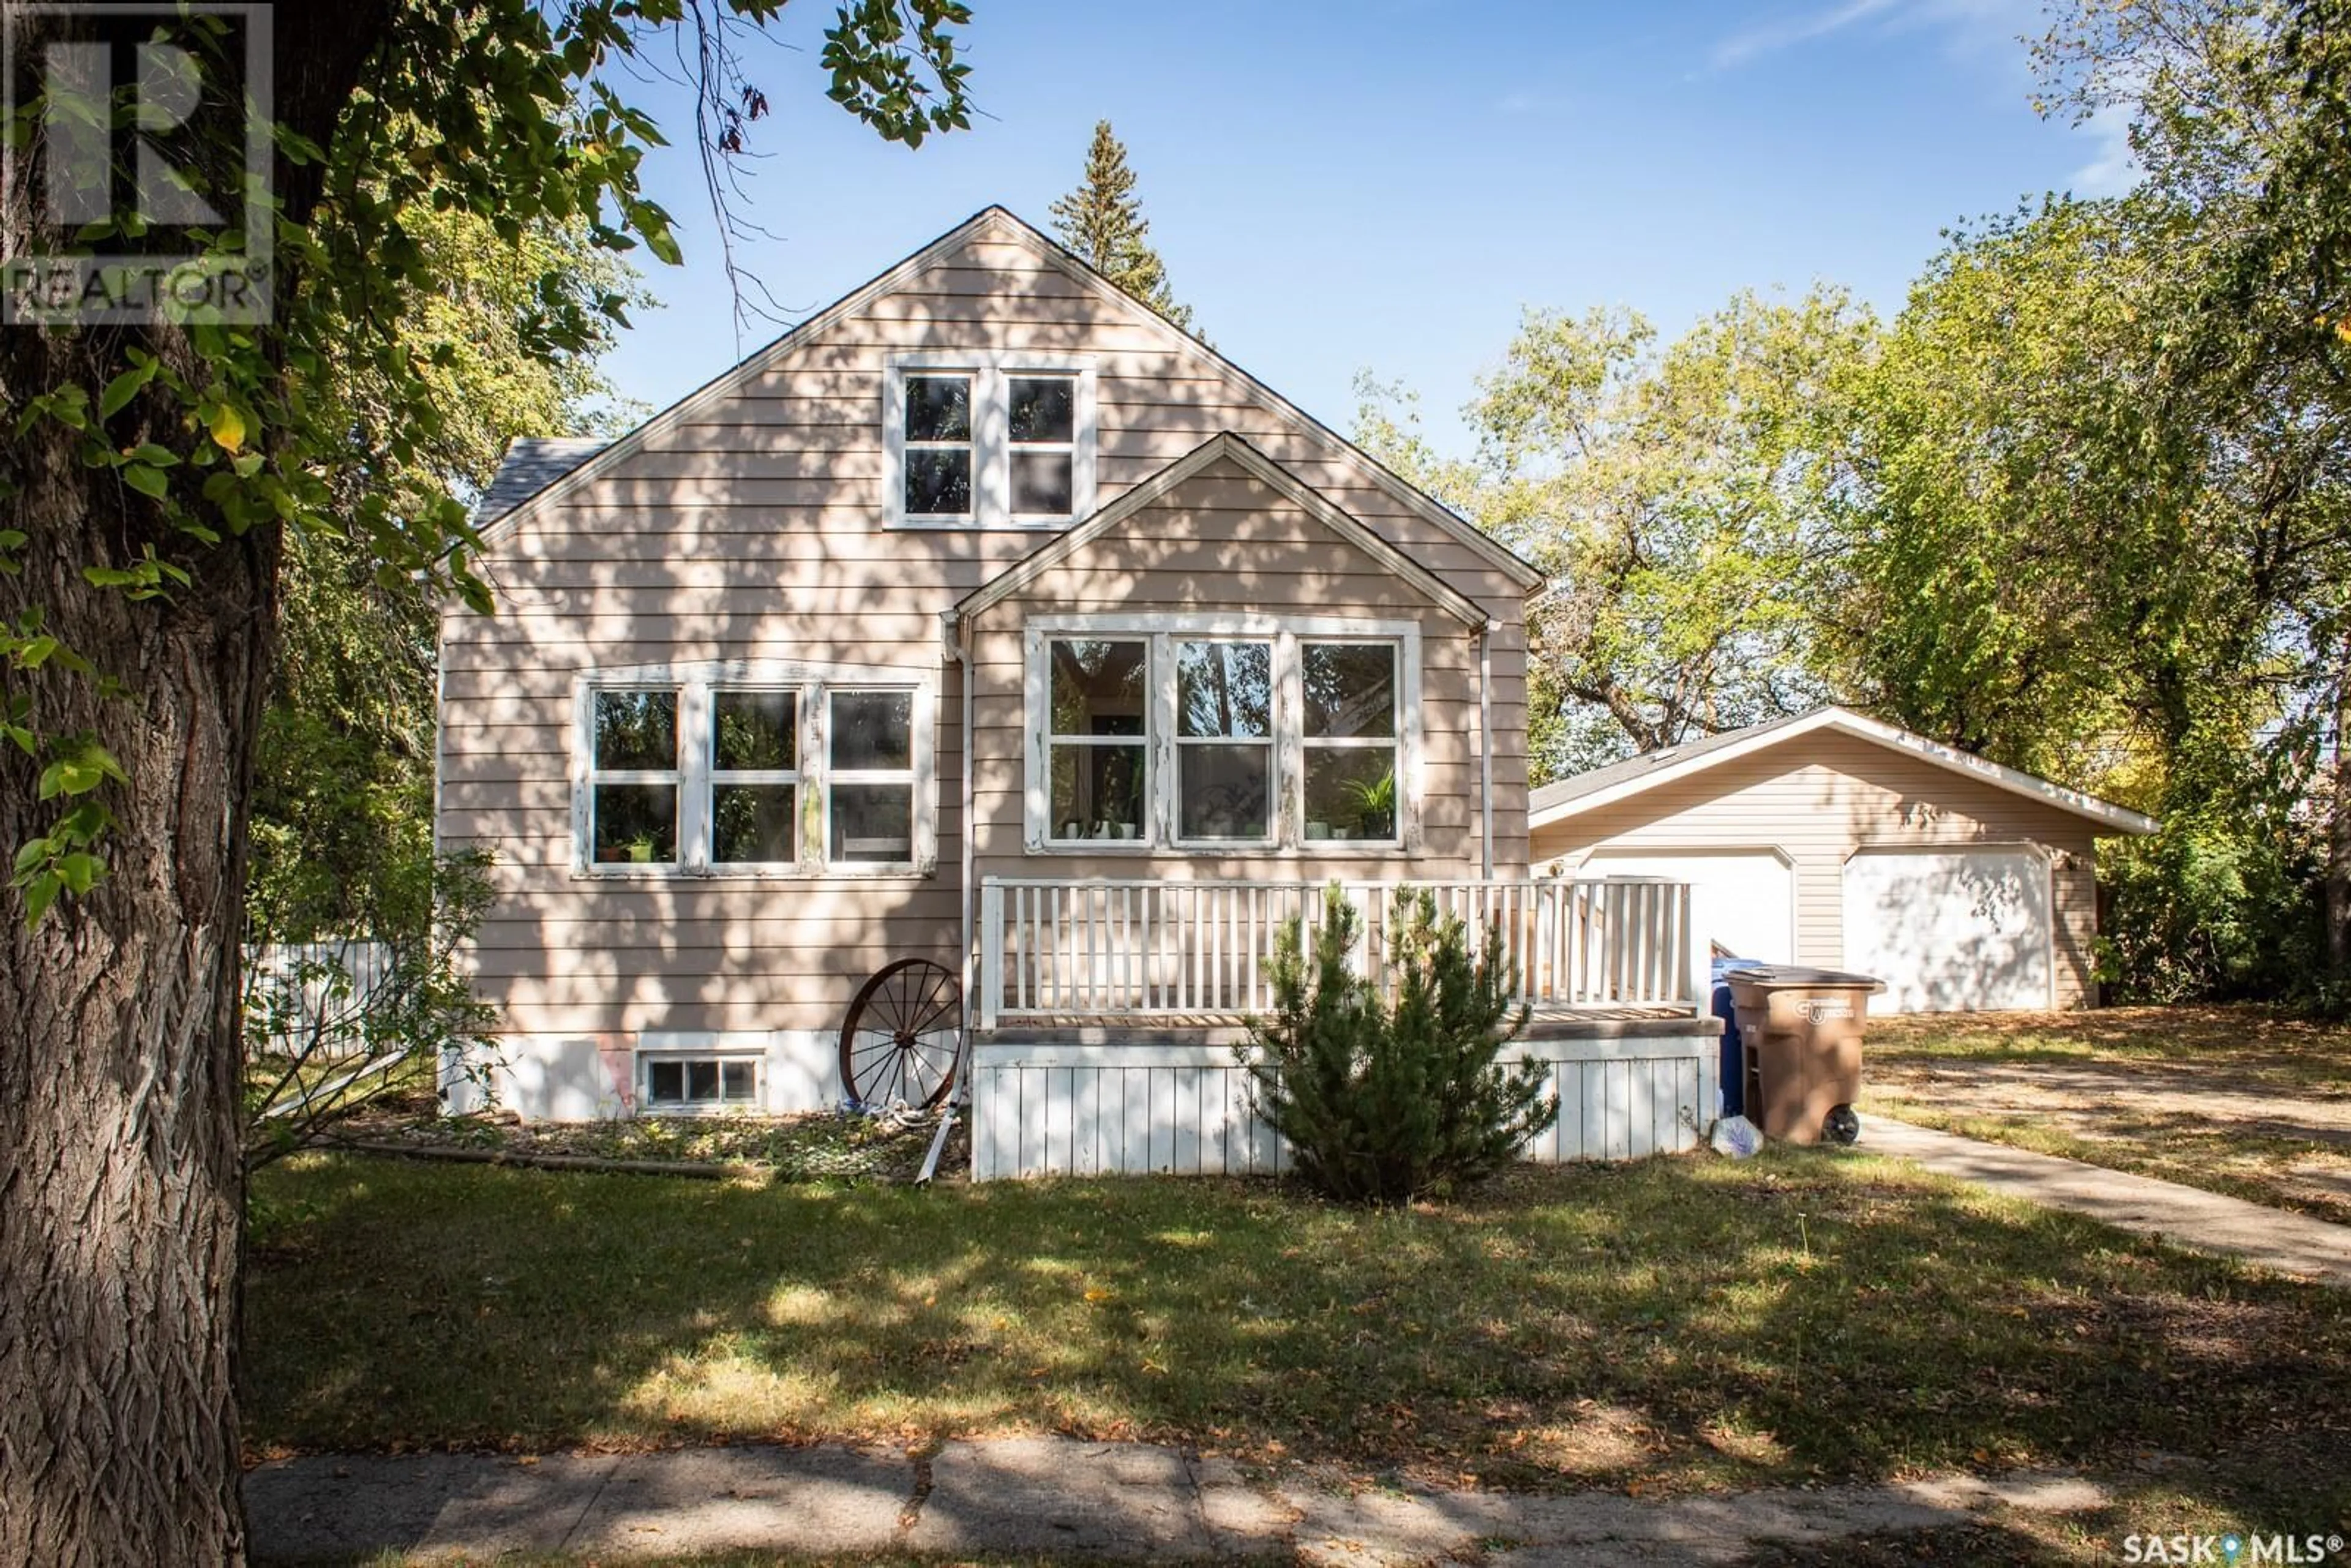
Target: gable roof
column 1223, row 446
column 1635, row 775
column 995, row 222
column 531, row 464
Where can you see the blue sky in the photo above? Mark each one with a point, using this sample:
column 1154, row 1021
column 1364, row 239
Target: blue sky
column 1384, row 185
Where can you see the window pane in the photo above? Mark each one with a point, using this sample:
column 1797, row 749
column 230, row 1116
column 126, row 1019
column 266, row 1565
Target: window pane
column 701, row 1080
column 1228, row 792
column 939, row 481
column 1098, row 791
column 738, row 1081
column 666, row 1080
column 1042, row 484
column 636, row 731
column 754, row 729
column 872, row 729
column 1350, row 794
column 1044, row 408
column 1350, row 689
column 755, row 822
column 636, row 823
column 1224, row 688
column 938, row 408
column 1099, row 688
column 872, row 823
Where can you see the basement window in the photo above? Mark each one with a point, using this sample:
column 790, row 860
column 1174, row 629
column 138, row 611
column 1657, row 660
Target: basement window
column 701, row 1084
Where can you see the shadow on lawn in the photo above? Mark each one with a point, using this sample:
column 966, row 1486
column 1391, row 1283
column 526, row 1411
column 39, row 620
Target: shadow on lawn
column 1671, row 1322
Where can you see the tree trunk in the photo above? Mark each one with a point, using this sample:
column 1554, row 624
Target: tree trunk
column 121, row 1209
column 121, row 1200
column 2339, row 827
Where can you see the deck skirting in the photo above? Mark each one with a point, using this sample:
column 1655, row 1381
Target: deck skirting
column 1173, row 1106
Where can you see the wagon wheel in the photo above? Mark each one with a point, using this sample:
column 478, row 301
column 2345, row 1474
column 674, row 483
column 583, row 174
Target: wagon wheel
column 903, row 1035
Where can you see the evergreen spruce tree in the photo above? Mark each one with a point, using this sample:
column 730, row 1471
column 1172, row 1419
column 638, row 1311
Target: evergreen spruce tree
column 1102, row 221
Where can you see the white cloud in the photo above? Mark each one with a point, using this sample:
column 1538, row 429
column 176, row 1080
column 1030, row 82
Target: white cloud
column 1773, row 36
column 2114, row 169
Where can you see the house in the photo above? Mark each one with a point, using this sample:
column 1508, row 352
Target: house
column 988, row 637
column 1830, row 839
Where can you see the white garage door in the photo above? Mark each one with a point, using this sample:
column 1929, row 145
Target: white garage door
column 1955, row 931
column 1743, row 899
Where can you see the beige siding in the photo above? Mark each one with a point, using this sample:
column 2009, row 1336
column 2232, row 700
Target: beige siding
column 754, row 529
column 1818, row 798
column 1226, row 527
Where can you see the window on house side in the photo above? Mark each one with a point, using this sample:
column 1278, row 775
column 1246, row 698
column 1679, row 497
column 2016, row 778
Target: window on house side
column 755, row 778
column 701, row 1082
column 1044, row 433
column 632, row 795
column 1349, row 729
column 938, row 464
column 1096, row 742
column 870, row 777
column 1224, row 742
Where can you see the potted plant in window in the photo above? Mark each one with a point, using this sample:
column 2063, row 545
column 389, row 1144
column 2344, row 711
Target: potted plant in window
column 640, row 849
column 1374, row 803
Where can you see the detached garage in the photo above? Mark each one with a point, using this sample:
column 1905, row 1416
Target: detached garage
column 1835, row 841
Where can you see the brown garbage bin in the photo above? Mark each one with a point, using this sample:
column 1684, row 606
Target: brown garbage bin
column 1800, row 1032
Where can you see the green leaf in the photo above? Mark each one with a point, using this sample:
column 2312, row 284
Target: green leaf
column 80, row 872
column 122, row 389
column 144, row 479
column 40, row 892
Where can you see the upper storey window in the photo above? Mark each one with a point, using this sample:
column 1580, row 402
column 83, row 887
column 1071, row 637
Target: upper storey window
column 988, row 441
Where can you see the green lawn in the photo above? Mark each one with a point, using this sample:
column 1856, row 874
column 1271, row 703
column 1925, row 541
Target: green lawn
column 2236, row 1100
column 1664, row 1324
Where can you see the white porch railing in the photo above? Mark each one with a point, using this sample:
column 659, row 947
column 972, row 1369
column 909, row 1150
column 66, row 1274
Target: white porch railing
column 1117, row 950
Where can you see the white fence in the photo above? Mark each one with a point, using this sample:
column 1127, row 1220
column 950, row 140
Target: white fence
column 313, row 996
column 1098, row 949
column 1077, row 1110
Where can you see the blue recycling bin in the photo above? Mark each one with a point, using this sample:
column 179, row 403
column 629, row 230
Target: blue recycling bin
column 1730, row 1075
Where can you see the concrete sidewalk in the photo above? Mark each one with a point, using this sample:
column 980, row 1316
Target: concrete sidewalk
column 2210, row 1221
column 1044, row 1496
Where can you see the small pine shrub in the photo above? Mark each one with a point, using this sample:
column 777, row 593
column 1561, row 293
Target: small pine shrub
column 1384, row 1100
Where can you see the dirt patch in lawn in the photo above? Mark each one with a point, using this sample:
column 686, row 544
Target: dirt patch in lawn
column 821, row 1145
column 2233, row 1100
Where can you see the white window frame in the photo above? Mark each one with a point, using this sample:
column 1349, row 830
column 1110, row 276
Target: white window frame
column 991, row 373
column 672, row 776
column 755, row 1105
column 1089, row 742
column 1161, row 779
column 1271, row 742
column 719, row 776
column 910, row 775
column 695, row 682
column 1392, row 743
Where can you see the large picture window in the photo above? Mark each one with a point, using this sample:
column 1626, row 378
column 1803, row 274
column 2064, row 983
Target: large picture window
column 1243, row 732
column 988, row 440
column 757, row 768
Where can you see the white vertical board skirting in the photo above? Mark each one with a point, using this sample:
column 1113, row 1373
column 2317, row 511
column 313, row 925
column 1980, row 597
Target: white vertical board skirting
column 1184, row 1110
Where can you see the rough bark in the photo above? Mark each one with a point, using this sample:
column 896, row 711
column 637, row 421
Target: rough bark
column 2338, row 826
column 122, row 1194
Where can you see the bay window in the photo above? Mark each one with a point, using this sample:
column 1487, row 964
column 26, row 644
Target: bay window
column 1241, row 732
column 754, row 768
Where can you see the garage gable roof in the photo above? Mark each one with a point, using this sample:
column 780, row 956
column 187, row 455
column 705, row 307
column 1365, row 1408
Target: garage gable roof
column 1637, row 775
